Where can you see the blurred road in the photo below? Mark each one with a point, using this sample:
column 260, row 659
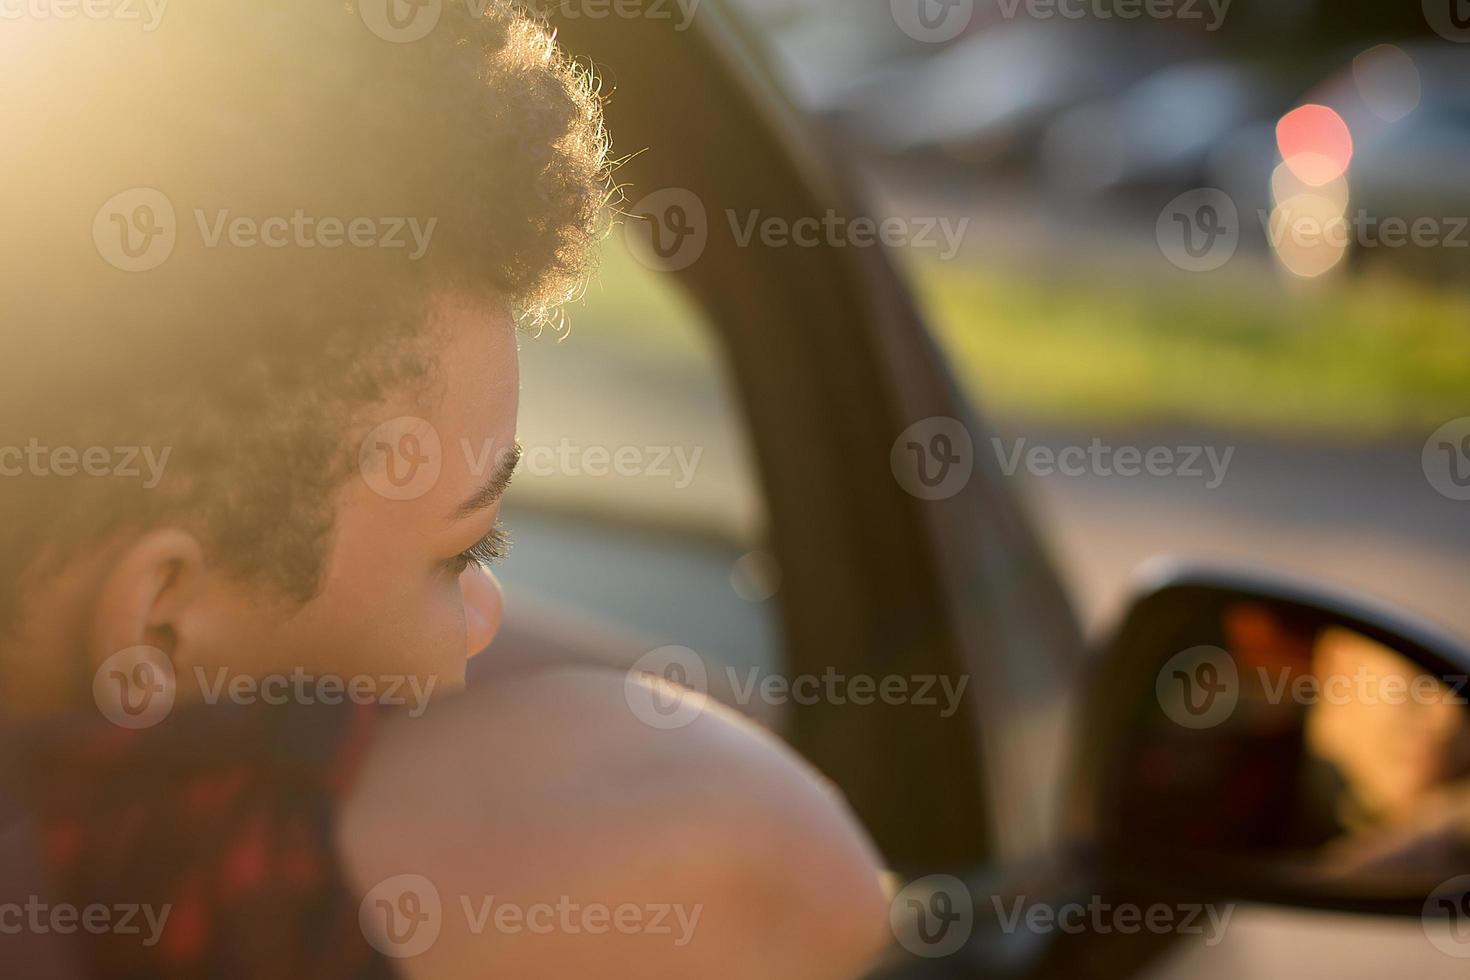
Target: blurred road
column 1278, row 942
column 1362, row 517
column 1365, row 518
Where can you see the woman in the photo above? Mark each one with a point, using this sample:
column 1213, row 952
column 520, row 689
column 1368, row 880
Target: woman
column 272, row 265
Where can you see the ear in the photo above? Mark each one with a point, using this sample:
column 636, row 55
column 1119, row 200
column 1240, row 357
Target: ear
column 146, row 595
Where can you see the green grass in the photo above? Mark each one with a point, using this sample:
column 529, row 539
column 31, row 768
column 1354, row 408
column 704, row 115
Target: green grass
column 1352, row 360
column 1356, row 360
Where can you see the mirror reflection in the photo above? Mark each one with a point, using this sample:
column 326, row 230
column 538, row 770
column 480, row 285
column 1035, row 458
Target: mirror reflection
column 1280, row 735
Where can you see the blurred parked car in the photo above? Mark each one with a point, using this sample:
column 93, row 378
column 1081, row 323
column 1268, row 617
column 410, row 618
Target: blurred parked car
column 1167, row 130
column 991, row 97
column 1408, row 109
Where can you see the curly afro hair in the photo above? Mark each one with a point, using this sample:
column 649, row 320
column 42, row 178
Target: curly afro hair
column 249, row 356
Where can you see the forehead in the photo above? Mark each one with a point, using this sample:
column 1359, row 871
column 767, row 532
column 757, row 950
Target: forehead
column 426, row 453
column 477, row 372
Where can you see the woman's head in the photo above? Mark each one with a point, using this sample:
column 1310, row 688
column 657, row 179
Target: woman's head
column 280, row 256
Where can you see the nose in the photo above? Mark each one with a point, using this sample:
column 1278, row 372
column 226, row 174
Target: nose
column 484, row 608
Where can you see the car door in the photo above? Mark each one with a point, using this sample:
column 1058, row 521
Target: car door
column 853, row 423
column 843, row 397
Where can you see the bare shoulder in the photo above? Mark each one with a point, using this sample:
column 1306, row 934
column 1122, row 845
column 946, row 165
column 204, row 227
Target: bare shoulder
column 556, row 826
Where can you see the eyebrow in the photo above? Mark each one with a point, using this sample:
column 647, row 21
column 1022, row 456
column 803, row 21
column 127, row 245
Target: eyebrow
column 493, row 488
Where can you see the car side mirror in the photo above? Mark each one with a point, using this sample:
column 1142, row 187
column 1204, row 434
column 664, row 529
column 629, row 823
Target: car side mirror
column 1259, row 739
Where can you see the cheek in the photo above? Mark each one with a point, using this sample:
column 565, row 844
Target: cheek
column 381, row 622
column 484, row 608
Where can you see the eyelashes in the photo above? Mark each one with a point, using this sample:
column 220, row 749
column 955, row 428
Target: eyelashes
column 489, row 550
